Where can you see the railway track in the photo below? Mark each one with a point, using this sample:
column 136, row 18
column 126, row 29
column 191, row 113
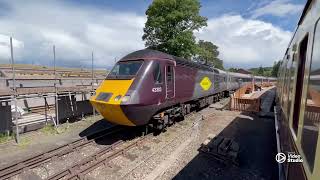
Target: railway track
column 165, row 146
column 79, row 170
column 40, row 159
column 103, row 156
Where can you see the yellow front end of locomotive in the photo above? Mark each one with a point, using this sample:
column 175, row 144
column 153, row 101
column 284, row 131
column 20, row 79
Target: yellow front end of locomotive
column 109, row 107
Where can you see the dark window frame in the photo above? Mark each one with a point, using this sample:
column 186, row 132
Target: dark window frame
column 118, row 76
column 157, row 74
column 170, row 75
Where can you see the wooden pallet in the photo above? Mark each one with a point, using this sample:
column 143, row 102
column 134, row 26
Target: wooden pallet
column 33, row 118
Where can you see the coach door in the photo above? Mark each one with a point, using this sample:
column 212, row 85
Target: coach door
column 170, row 81
column 299, row 84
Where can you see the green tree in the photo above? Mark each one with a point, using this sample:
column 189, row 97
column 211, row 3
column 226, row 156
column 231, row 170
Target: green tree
column 170, row 26
column 209, row 53
column 260, row 71
column 233, row 70
column 275, row 68
column 267, row 73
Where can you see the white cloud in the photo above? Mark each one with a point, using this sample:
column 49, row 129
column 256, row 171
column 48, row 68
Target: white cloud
column 5, row 47
column 278, row 8
column 75, row 30
column 246, row 42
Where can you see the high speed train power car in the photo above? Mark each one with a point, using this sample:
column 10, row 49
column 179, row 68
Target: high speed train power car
column 151, row 87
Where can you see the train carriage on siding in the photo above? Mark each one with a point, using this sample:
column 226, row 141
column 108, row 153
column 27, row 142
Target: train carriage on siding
column 236, row 80
column 151, row 87
column 222, row 79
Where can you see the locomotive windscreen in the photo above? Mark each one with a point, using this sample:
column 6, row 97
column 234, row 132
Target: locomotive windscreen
column 125, row 69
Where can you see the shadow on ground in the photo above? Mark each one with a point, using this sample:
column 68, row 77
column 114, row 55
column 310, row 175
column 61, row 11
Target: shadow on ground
column 120, row 133
column 95, row 127
column 256, row 137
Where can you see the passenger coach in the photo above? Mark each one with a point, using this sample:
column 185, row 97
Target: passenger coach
column 299, row 96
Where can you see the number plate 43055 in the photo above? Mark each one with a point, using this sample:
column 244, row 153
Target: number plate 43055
column 157, row 89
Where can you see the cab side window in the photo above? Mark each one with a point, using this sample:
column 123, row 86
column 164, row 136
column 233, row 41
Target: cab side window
column 157, row 74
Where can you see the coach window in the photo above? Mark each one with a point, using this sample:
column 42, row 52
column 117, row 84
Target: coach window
column 157, row 75
column 216, row 80
column 312, row 107
column 298, row 86
column 287, row 85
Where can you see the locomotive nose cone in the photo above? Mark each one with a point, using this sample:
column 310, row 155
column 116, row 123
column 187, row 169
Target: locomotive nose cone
column 108, row 98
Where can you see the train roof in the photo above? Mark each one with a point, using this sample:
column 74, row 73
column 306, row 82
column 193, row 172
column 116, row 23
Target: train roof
column 240, row 75
column 189, row 63
column 221, row 71
column 304, row 12
column 272, row 78
column 147, row 54
column 265, row 77
column 154, row 54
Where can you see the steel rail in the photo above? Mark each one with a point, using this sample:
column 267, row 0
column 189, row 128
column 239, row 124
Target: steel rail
column 42, row 158
column 79, row 170
column 183, row 133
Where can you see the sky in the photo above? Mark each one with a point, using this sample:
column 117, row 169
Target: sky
column 249, row 33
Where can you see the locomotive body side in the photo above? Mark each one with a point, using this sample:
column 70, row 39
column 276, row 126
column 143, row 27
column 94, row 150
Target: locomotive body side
column 220, row 81
column 237, row 80
column 145, row 94
column 149, row 83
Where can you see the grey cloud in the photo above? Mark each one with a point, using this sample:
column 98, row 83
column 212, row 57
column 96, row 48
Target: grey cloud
column 76, row 32
column 246, row 42
column 278, row 8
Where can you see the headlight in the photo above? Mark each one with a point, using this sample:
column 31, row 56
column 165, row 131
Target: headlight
column 125, row 98
column 117, row 98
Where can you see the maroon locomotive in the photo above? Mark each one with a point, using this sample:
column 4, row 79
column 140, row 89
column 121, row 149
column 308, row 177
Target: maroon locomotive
column 151, row 87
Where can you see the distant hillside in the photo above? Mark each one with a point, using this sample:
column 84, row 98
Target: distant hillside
column 261, row 71
column 39, row 67
column 264, row 68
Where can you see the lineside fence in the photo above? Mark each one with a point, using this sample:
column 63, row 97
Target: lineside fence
column 248, row 97
column 29, row 95
column 241, row 103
